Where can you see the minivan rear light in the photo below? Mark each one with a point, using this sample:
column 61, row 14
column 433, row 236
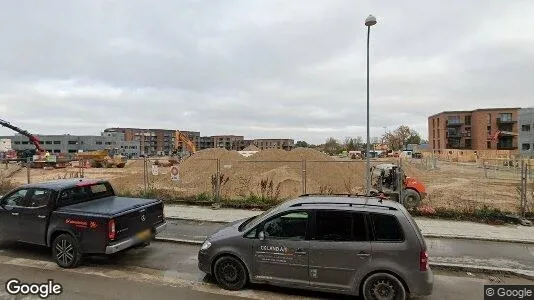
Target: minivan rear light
column 423, row 261
column 111, row 229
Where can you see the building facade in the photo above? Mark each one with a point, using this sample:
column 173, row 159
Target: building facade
column 481, row 129
column 526, row 132
column 67, row 143
column 152, row 141
column 285, row 144
column 193, row 136
column 230, row 142
column 5, row 145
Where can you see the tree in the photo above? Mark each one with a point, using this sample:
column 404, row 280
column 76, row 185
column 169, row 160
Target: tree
column 400, row 137
column 349, row 144
column 332, row 146
column 302, row 144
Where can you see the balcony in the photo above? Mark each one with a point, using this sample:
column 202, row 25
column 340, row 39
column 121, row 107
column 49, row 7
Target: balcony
column 506, row 121
column 454, row 123
column 506, row 147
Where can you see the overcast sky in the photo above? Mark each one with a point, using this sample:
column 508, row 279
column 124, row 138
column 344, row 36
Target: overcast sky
column 269, row 68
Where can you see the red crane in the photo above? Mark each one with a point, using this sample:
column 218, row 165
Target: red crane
column 35, row 141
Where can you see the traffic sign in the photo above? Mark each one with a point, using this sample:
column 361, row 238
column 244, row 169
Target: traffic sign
column 174, row 173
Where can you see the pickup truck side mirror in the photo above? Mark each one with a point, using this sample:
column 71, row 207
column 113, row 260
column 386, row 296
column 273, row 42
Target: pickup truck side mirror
column 261, row 235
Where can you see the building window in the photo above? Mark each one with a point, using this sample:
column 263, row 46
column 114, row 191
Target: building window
column 467, row 120
column 488, row 144
column 489, row 119
column 48, row 142
column 98, row 142
column 17, row 143
column 25, row 143
column 72, row 142
column 525, row 127
column 525, row 146
column 57, row 142
column 57, row 151
column 72, row 150
column 505, row 117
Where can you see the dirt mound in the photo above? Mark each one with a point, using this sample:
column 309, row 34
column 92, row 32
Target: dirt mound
column 215, row 153
column 293, row 155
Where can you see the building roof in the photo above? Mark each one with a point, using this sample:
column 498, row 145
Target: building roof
column 472, row 111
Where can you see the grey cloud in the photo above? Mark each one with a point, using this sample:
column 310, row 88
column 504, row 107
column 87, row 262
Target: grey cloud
column 258, row 68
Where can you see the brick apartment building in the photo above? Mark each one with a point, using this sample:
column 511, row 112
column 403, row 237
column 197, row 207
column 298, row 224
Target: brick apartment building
column 481, row 129
column 161, row 141
column 152, row 141
column 286, row 144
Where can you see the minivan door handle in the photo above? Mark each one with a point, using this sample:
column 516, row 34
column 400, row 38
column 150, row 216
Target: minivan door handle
column 363, row 254
column 41, row 216
column 15, row 214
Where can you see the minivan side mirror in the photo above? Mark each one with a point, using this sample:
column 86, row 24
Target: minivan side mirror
column 261, row 236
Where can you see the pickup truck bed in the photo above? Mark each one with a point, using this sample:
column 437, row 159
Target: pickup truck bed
column 108, row 206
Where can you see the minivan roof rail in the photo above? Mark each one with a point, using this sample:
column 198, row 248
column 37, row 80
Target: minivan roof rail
column 342, row 203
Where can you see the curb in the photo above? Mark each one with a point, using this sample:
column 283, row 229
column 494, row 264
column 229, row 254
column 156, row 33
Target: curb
column 476, row 238
column 479, row 269
column 426, row 235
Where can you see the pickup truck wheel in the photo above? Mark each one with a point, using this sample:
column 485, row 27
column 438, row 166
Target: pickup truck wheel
column 66, row 251
column 230, row 273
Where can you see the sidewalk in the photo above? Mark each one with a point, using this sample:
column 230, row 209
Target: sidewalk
column 429, row 227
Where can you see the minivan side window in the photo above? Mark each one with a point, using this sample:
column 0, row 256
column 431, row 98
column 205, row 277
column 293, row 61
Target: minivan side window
column 386, row 228
column 340, row 226
column 292, row 225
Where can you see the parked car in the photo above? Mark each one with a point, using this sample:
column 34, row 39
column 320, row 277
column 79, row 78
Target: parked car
column 350, row 245
column 76, row 217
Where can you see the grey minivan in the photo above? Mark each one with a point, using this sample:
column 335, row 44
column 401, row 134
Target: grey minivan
column 342, row 244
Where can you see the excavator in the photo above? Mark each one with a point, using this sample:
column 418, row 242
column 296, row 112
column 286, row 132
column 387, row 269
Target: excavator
column 180, row 137
column 41, row 158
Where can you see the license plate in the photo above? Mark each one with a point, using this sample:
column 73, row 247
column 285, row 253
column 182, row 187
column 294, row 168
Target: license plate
column 144, row 235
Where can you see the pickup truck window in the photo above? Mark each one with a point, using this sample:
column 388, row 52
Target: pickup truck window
column 84, row 193
column 39, row 198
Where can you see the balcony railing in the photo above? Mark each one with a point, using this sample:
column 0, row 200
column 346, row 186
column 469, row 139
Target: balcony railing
column 506, row 147
column 454, row 123
column 506, row 121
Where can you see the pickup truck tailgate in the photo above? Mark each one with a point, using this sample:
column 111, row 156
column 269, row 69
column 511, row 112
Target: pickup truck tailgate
column 138, row 220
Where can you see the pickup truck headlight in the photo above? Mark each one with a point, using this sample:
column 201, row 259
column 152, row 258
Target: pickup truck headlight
column 206, row 245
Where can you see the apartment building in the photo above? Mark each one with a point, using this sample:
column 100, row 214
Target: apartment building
column 230, row 142
column 526, row 132
column 481, row 129
column 152, row 141
column 67, row 143
column 193, row 136
column 286, row 144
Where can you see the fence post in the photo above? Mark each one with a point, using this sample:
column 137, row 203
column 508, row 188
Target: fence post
column 303, row 174
column 485, row 169
column 145, row 175
column 218, row 182
column 523, row 188
column 28, row 169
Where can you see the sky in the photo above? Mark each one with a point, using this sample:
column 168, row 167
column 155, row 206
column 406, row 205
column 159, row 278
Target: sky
column 262, row 68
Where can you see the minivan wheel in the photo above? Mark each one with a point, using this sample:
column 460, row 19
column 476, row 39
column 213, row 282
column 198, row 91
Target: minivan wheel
column 66, row 251
column 230, row 273
column 383, row 286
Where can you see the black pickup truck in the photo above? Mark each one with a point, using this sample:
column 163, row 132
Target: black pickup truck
column 78, row 216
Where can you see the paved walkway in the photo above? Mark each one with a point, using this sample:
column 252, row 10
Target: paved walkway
column 429, row 227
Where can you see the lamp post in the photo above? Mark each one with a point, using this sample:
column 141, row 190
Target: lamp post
column 370, row 21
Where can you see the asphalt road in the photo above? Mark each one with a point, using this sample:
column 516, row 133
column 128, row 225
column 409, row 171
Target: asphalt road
column 470, row 252
column 173, row 267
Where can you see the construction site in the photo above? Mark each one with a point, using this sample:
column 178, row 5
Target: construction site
column 454, row 180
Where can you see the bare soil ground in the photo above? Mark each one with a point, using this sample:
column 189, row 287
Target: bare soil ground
column 451, row 185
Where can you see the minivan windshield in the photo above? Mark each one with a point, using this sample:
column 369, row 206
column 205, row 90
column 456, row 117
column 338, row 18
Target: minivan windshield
column 248, row 223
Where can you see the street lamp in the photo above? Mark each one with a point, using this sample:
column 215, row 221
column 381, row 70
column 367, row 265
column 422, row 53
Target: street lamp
column 370, row 21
